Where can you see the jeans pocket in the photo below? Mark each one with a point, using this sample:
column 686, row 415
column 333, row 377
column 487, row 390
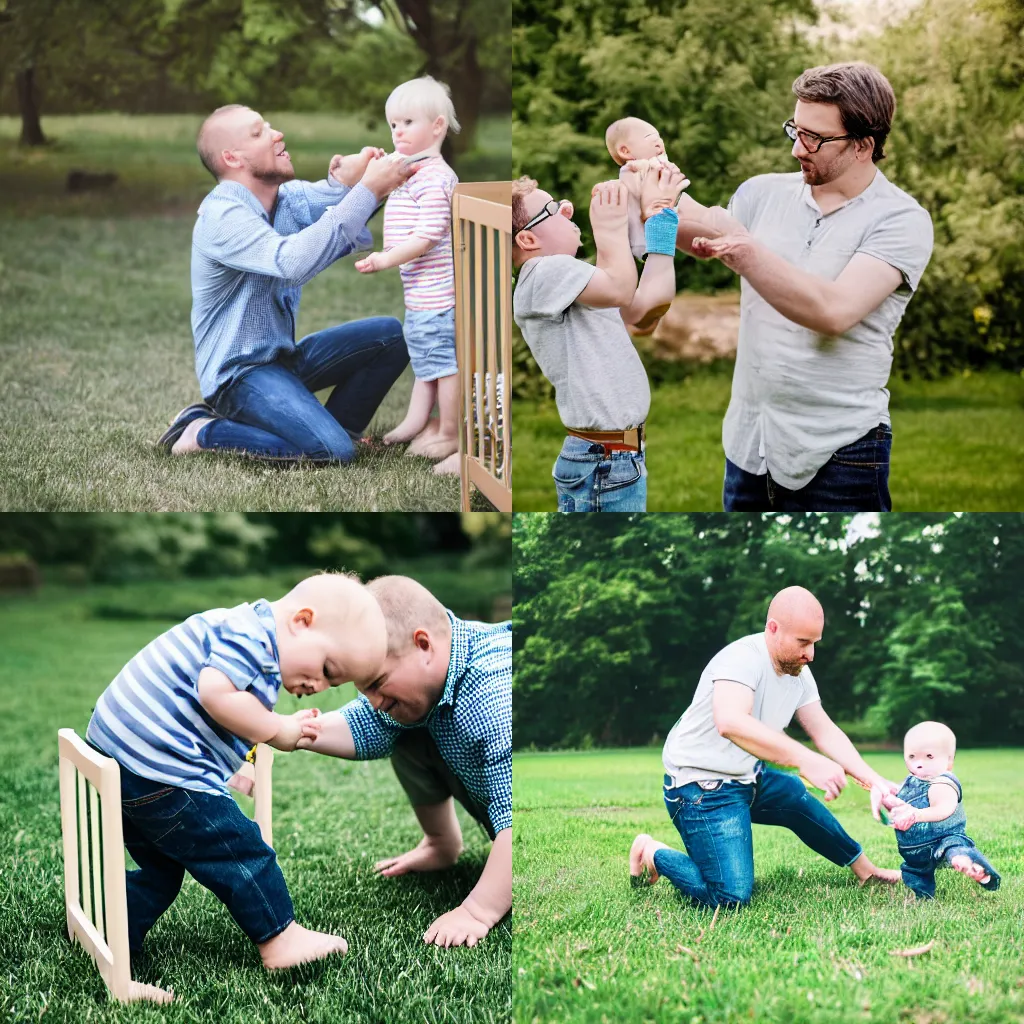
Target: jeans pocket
column 620, row 473
column 158, row 813
column 869, row 452
column 574, row 482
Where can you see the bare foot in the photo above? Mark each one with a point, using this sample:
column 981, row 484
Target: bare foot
column 452, row 466
column 432, row 854
column 867, row 872
column 441, row 447
column 137, row 992
column 641, row 858
column 405, row 431
column 298, row 945
column 426, row 436
column 967, row 867
column 187, row 442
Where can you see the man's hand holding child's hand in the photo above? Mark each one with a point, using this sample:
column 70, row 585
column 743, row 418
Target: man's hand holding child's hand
column 902, row 816
column 301, row 725
column 349, row 169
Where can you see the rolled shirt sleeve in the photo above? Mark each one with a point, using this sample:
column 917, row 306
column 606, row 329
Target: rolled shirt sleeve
column 233, row 234
column 372, row 736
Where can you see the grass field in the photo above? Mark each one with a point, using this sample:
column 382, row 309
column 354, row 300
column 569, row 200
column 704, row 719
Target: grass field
column 812, row 948
column 94, row 325
column 332, row 819
column 958, row 444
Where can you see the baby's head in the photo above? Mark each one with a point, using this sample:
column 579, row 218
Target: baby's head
column 553, row 235
column 413, row 675
column 928, row 749
column 629, row 138
column 330, row 631
column 420, row 114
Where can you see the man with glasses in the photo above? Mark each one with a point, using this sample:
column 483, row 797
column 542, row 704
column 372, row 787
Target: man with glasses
column 573, row 316
column 829, row 257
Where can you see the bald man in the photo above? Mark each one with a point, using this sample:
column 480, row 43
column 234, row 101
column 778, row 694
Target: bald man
column 260, row 236
column 441, row 709
column 717, row 783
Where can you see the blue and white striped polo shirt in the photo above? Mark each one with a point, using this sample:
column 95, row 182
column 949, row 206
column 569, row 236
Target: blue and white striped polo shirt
column 149, row 718
column 471, row 723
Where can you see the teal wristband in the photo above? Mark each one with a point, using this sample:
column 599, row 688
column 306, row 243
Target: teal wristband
column 660, row 233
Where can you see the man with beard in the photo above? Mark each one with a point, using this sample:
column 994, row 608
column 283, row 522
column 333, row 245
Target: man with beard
column 260, row 236
column 829, row 258
column 716, row 781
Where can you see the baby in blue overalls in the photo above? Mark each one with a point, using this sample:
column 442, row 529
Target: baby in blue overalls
column 928, row 814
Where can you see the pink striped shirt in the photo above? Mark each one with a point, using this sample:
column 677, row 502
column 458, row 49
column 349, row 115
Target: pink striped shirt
column 422, row 206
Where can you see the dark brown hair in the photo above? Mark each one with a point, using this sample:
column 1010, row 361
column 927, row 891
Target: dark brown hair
column 521, row 187
column 862, row 93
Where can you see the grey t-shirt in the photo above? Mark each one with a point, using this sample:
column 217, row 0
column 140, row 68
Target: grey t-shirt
column 798, row 395
column 696, row 751
column 587, row 353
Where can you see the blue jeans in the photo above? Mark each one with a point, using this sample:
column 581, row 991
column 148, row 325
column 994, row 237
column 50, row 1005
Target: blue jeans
column 920, row 862
column 855, row 479
column 169, row 830
column 718, row 866
column 588, row 481
column 271, row 411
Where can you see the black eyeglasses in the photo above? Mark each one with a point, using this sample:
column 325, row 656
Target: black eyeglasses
column 550, row 209
column 811, row 141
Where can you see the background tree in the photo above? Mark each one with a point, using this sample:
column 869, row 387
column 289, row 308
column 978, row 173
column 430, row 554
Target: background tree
column 617, row 616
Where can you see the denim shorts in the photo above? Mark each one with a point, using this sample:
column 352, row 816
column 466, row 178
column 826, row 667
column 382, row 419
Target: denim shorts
column 587, row 480
column 430, row 339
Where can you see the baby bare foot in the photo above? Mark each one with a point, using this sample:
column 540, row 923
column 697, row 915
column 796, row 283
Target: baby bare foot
column 441, row 447
column 867, row 872
column 452, row 466
column 426, row 436
column 966, row 866
column 298, row 945
column 402, row 433
column 432, row 854
column 641, row 857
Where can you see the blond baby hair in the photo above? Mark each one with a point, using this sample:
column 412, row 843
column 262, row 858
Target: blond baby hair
column 426, row 96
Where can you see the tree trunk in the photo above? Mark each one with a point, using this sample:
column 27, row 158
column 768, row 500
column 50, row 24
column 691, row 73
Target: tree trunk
column 31, row 128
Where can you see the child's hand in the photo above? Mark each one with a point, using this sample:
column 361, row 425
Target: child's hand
column 608, row 209
column 349, row 169
column 302, row 725
column 372, row 263
column 661, row 189
column 244, row 780
column 456, row 928
column 903, row 816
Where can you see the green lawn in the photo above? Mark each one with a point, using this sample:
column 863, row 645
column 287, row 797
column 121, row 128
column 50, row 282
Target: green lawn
column 95, row 337
column 332, row 819
column 812, row 948
column 958, row 445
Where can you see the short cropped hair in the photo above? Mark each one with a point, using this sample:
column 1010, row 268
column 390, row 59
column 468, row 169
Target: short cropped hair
column 521, row 188
column 862, row 93
column 425, row 96
column 407, row 606
column 206, row 154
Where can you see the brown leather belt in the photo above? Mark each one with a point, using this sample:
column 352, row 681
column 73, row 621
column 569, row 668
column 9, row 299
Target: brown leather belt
column 631, row 440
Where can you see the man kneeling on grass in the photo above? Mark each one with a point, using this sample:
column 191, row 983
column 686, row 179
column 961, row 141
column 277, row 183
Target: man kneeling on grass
column 259, row 238
column 442, row 710
column 716, row 781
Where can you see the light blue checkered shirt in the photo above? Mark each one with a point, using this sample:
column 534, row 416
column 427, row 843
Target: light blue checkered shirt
column 248, row 270
column 471, row 723
column 150, row 719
